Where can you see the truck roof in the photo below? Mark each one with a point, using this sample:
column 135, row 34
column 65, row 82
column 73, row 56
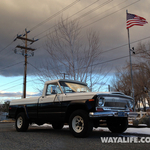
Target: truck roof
column 65, row 80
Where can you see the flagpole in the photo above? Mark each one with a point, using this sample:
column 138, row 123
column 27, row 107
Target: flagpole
column 131, row 66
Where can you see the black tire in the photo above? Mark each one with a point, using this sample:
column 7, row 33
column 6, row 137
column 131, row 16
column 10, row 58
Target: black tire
column 21, row 123
column 80, row 124
column 117, row 125
column 57, row 125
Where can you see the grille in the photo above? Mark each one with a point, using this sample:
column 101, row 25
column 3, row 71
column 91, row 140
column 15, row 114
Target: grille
column 115, row 104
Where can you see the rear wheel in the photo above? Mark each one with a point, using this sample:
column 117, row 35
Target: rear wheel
column 21, row 123
column 80, row 124
column 117, row 125
column 57, row 125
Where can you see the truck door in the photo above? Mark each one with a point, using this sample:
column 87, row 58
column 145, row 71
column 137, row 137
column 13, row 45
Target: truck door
column 49, row 108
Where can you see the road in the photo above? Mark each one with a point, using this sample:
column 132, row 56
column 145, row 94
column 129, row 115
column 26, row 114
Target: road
column 45, row 138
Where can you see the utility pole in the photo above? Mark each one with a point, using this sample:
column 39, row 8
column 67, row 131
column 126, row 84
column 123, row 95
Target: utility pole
column 25, row 68
column 108, row 88
column 64, row 74
column 26, row 52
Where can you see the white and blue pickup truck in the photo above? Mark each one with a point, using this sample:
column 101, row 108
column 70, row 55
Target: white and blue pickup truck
column 71, row 102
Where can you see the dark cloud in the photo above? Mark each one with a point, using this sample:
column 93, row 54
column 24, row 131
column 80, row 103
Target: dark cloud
column 20, row 14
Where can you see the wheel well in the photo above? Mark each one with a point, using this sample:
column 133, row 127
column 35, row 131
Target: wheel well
column 71, row 109
column 19, row 110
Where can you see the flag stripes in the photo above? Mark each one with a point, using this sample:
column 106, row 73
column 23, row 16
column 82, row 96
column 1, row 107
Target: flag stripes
column 133, row 20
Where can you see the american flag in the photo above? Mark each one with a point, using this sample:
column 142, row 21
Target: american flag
column 134, row 20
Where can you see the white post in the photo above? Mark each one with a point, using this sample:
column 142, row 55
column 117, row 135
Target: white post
column 141, row 114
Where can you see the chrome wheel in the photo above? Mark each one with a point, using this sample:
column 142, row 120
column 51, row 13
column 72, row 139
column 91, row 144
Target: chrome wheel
column 78, row 124
column 19, row 122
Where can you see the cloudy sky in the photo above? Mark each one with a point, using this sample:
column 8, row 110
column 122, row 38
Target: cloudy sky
column 107, row 17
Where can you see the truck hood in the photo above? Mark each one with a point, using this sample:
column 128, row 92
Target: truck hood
column 69, row 96
column 90, row 95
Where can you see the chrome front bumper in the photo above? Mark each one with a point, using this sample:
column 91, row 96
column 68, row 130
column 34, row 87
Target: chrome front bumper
column 112, row 114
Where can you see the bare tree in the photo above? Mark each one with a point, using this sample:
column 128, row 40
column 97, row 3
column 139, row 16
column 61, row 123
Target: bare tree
column 122, row 83
column 141, row 76
column 143, row 59
column 143, row 51
column 4, row 107
column 72, row 54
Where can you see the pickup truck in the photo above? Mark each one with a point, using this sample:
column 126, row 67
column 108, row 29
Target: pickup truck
column 71, row 102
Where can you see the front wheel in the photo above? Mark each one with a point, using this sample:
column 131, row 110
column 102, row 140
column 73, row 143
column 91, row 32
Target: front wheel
column 117, row 125
column 21, row 123
column 80, row 124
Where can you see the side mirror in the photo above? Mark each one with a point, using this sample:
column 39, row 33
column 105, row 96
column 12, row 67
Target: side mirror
column 53, row 91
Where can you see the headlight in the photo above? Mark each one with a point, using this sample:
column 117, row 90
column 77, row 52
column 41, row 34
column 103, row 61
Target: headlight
column 130, row 104
column 100, row 101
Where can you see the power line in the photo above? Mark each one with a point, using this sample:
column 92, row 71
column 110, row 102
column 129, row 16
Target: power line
column 105, row 62
column 6, row 47
column 51, row 17
column 87, row 13
column 108, row 61
column 126, row 44
column 75, row 69
column 8, row 55
column 83, row 58
column 98, row 19
column 90, row 65
column 101, row 5
column 113, row 48
column 84, row 26
column 14, row 86
column 109, row 14
column 78, row 68
column 70, row 5
column 11, row 87
column 11, row 82
column 85, row 67
column 41, row 24
column 74, row 14
column 106, row 10
column 34, row 66
column 11, row 65
column 105, row 17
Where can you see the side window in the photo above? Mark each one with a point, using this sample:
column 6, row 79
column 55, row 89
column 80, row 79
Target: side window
column 53, row 89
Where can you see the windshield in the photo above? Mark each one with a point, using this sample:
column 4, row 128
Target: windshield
column 69, row 87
